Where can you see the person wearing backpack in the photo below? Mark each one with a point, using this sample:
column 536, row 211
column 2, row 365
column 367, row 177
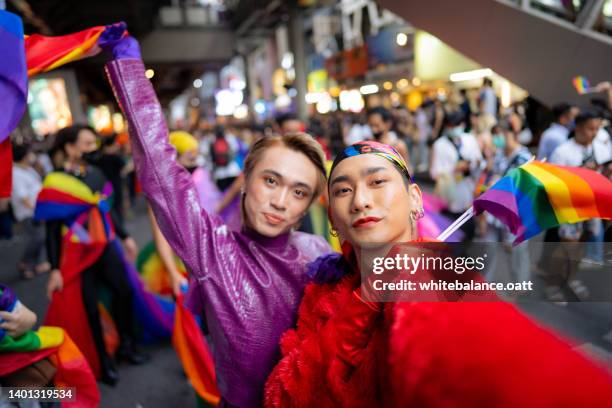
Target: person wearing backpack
column 223, row 152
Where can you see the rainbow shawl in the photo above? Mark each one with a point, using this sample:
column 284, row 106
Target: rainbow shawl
column 537, row 196
column 65, row 197
column 87, row 230
column 52, row 343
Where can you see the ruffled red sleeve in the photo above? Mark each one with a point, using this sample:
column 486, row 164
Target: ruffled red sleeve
column 486, row 354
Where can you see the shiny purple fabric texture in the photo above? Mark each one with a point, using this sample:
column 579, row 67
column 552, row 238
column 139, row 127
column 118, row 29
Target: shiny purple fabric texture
column 248, row 287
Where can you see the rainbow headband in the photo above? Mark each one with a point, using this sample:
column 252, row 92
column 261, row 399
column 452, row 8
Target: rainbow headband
column 377, row 148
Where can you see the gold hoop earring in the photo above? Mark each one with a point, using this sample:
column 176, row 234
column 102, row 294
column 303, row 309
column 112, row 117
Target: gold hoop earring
column 333, row 232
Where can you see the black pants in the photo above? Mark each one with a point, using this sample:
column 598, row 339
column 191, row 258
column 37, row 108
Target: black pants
column 34, row 231
column 551, row 235
column 109, row 270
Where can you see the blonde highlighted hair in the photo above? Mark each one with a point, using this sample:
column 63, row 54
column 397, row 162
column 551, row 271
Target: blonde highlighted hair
column 298, row 142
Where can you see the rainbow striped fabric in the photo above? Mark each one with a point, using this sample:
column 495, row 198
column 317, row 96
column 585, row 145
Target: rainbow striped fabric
column 65, row 197
column 581, row 84
column 47, row 53
column 537, row 196
column 13, row 91
column 39, row 54
column 193, row 352
column 52, row 343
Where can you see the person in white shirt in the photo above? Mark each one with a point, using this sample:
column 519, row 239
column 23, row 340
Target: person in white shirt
column 557, row 133
column 488, row 102
column 589, row 147
column 583, row 149
column 357, row 131
column 26, row 185
column 456, row 158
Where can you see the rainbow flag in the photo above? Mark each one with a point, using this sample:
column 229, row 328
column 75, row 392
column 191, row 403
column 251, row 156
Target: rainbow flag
column 47, row 53
column 52, row 343
column 581, row 84
column 153, row 272
column 194, row 354
column 13, row 91
column 39, row 54
column 64, row 197
column 537, row 196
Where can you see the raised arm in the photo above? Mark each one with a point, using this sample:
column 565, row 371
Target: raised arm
column 167, row 185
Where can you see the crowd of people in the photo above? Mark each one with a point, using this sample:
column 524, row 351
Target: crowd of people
column 231, row 201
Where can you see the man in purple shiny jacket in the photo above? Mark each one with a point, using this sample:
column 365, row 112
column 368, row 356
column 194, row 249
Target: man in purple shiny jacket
column 247, row 284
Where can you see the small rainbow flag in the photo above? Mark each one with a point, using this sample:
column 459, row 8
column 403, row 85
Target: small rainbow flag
column 537, row 196
column 581, row 84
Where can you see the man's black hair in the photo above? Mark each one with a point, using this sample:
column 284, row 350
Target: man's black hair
column 561, row 109
column 586, row 115
column 20, row 151
column 285, row 117
column 68, row 135
column 384, row 113
column 454, row 118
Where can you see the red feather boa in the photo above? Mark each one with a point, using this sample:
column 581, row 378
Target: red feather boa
column 432, row 354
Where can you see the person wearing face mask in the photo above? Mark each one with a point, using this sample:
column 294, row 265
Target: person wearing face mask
column 112, row 164
column 510, row 154
column 80, row 247
column 350, row 351
column 246, row 284
column 26, row 185
column 381, row 125
column 456, row 159
column 583, row 149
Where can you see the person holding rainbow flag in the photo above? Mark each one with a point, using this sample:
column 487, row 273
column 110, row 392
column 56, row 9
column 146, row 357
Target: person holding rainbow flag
column 45, row 357
column 81, row 233
column 348, row 350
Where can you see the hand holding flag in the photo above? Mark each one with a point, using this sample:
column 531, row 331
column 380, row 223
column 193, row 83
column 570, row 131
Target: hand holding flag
column 537, row 196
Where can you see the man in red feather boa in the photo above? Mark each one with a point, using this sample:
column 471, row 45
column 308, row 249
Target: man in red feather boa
column 349, row 352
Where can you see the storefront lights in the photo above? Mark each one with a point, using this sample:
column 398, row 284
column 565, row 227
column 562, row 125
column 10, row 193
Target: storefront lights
column 351, row 101
column 470, row 75
column 369, row 89
column 402, row 83
column 388, row 86
column 241, row 112
column 197, row 83
column 149, row 73
column 401, row 39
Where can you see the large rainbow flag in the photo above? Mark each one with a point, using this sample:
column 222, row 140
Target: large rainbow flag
column 39, row 54
column 537, row 196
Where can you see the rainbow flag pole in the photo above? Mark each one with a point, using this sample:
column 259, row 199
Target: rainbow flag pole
column 537, row 196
